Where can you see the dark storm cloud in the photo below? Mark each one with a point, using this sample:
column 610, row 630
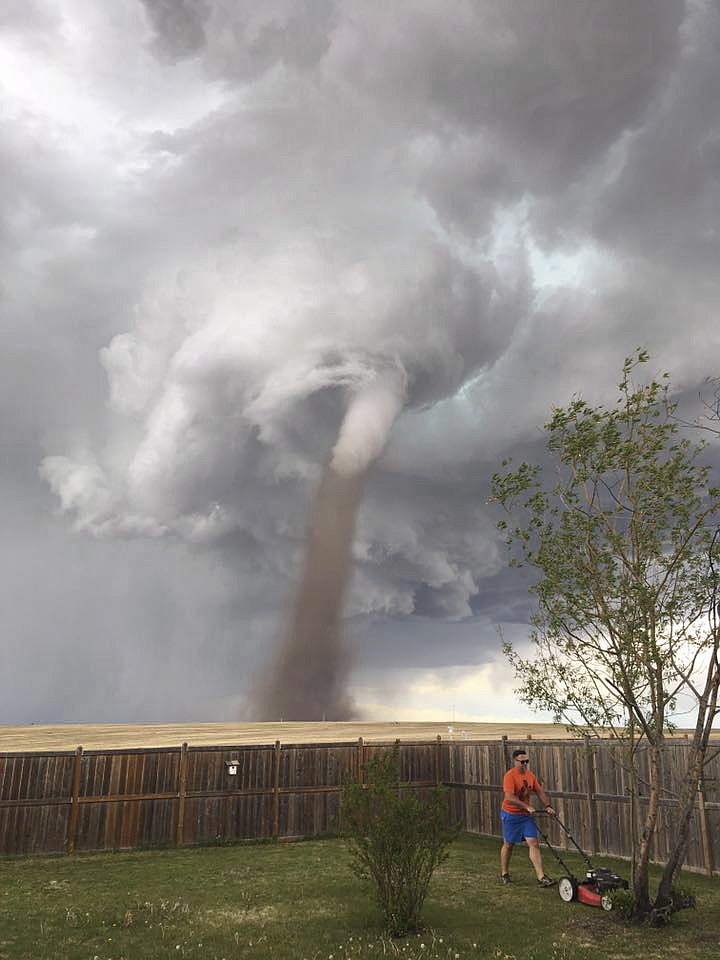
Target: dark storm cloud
column 179, row 25
column 95, row 633
column 667, row 191
column 549, row 84
column 222, row 219
column 244, row 38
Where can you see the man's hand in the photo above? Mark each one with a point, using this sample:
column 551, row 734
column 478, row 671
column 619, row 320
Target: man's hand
column 549, row 811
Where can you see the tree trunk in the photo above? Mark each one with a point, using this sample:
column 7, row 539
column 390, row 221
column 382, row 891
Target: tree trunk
column 686, row 807
column 707, row 711
column 641, row 888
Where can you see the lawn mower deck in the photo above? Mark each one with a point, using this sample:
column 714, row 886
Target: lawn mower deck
column 593, row 889
column 597, row 884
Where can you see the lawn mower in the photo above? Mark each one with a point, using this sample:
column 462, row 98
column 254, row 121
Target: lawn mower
column 595, row 887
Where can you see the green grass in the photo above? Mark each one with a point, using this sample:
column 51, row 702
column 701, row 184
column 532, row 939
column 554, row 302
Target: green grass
column 300, row 900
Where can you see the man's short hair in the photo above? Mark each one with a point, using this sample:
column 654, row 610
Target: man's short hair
column 516, row 753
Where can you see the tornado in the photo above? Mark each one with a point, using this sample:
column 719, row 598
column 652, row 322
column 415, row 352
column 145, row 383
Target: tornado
column 308, row 680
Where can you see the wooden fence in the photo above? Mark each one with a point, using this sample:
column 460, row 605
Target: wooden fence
column 125, row 799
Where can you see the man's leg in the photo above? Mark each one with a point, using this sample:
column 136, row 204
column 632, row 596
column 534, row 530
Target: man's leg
column 505, row 853
column 535, row 856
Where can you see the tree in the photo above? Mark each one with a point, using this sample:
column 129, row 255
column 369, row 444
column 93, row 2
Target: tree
column 396, row 840
column 624, row 542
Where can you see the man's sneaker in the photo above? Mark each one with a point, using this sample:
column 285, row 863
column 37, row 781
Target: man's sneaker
column 546, row 882
column 506, row 878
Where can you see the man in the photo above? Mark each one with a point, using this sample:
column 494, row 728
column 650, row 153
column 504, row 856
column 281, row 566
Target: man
column 518, row 817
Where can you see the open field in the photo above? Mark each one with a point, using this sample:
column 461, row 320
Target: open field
column 300, row 900
column 109, row 736
column 118, row 735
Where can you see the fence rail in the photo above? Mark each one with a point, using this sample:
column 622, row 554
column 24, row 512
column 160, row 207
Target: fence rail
column 68, row 801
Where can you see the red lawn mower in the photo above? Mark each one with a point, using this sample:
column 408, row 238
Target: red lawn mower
column 595, row 887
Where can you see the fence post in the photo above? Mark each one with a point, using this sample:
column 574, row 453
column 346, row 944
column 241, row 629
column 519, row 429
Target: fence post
column 506, row 756
column 182, row 789
column 360, row 759
column 71, row 835
column 276, row 796
column 590, row 793
column 705, row 830
column 437, row 760
column 559, row 784
column 398, row 768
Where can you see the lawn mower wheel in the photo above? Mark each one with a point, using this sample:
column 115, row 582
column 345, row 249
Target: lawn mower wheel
column 567, row 888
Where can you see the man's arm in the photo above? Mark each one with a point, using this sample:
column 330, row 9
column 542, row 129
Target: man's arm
column 514, row 801
column 543, row 798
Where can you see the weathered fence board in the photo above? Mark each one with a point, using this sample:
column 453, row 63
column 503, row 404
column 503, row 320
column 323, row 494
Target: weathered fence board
column 129, row 773
column 43, row 777
column 228, row 817
column 33, row 829
column 122, row 799
column 207, row 769
column 120, row 825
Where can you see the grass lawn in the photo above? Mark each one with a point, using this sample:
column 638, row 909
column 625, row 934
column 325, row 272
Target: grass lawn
column 301, row 901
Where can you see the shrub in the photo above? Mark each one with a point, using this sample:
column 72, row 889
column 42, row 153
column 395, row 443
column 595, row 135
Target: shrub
column 681, row 898
column 396, row 839
column 623, row 904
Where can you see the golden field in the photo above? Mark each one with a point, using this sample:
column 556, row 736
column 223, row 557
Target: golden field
column 97, row 736
column 108, row 736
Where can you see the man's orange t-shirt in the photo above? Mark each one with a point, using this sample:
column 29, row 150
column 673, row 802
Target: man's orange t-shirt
column 522, row 785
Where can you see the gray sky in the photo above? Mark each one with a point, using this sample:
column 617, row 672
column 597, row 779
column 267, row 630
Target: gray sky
column 222, row 219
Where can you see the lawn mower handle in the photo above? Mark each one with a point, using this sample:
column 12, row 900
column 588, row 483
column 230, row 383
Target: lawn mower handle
column 555, row 853
column 570, row 837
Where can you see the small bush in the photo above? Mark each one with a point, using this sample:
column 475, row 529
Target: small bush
column 396, row 840
column 623, row 904
column 682, row 898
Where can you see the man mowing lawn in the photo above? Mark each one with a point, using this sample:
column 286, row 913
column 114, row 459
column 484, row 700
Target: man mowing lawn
column 518, row 817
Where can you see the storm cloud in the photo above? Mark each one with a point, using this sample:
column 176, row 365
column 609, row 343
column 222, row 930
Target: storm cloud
column 223, row 221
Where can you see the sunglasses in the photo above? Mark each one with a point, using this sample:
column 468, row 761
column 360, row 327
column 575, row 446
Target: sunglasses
column 523, row 761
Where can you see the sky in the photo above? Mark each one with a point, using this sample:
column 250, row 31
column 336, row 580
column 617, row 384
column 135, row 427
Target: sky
column 223, row 222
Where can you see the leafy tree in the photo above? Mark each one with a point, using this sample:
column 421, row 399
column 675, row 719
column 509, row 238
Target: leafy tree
column 624, row 543
column 396, row 839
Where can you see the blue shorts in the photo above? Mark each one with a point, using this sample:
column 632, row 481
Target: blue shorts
column 517, row 827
